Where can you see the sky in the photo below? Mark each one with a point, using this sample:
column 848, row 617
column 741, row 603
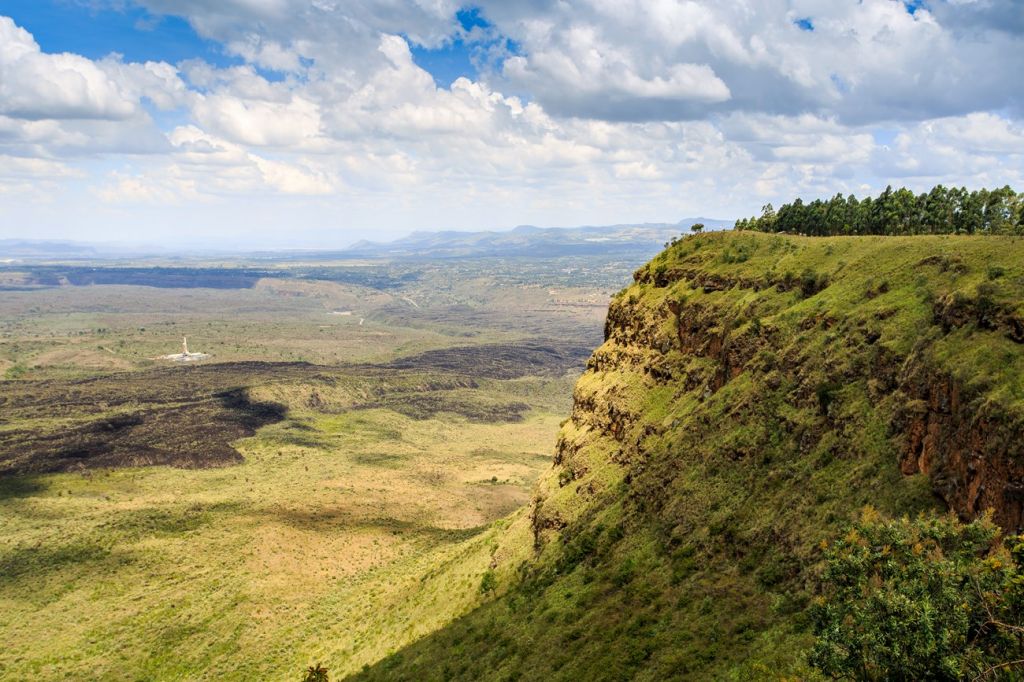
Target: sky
column 316, row 123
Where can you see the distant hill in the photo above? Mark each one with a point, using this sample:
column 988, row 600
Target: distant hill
column 38, row 248
column 641, row 240
column 534, row 242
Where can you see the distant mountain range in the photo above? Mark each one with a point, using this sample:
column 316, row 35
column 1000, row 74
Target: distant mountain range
column 525, row 241
column 16, row 249
column 534, row 242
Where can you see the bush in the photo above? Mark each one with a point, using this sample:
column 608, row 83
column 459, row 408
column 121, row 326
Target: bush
column 930, row 598
column 826, row 393
column 489, row 582
column 316, row 673
column 811, row 282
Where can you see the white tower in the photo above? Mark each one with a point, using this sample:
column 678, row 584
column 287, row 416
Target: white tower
column 184, row 345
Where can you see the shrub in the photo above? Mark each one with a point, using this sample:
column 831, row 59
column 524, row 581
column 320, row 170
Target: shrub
column 811, row 282
column 826, row 393
column 315, row 673
column 489, row 582
column 987, row 307
column 930, row 598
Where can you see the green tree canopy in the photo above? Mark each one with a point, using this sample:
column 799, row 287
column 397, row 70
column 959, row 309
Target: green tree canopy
column 898, row 212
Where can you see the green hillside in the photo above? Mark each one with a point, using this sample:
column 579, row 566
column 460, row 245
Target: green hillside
column 754, row 393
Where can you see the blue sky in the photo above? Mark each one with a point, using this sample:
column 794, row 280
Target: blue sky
column 130, row 30
column 320, row 122
column 453, row 59
column 96, row 30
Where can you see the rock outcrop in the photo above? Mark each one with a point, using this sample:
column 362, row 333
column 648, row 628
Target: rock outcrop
column 689, row 326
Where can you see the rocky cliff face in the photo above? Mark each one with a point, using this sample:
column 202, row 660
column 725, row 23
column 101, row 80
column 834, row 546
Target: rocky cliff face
column 971, row 449
column 689, row 327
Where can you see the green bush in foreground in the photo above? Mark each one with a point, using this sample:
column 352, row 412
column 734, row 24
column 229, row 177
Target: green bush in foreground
column 930, row 598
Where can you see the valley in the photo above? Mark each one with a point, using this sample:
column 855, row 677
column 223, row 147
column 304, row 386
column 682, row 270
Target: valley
column 324, row 488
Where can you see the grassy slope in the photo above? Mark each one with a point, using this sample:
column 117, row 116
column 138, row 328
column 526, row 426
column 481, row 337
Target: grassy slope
column 343, row 535
column 678, row 532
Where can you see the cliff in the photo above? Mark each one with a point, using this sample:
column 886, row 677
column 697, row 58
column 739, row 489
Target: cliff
column 753, row 392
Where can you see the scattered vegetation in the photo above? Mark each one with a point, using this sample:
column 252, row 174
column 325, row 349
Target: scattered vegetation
column 289, row 312
column 360, row 517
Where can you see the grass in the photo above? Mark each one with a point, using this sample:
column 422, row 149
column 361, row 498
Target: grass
column 370, row 531
column 364, row 520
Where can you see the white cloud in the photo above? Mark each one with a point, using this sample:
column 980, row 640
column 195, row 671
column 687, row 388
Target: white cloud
column 292, row 178
column 19, row 168
column 865, row 61
column 203, row 166
column 121, row 188
column 258, row 122
column 597, row 111
column 980, row 149
column 37, row 86
column 980, row 133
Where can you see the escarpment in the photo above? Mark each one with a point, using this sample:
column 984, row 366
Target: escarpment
column 859, row 353
column 753, row 394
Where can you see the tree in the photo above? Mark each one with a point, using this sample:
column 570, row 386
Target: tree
column 316, row 673
column 768, row 217
column 938, row 211
column 697, row 228
column 930, row 598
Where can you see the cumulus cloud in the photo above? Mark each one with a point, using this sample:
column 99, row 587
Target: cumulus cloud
column 55, row 106
column 583, row 111
column 37, row 86
column 866, row 61
column 201, row 163
column 980, row 149
column 578, row 70
column 259, row 122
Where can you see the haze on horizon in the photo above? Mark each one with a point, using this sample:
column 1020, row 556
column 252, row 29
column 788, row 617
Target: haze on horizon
column 308, row 123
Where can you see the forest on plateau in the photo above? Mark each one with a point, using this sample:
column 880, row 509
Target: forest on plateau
column 943, row 210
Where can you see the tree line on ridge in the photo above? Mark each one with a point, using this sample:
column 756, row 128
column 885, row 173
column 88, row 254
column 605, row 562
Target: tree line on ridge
column 943, row 210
